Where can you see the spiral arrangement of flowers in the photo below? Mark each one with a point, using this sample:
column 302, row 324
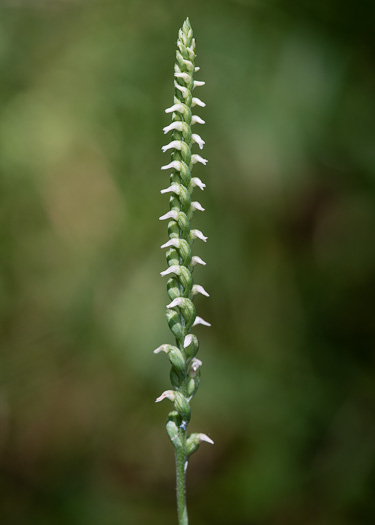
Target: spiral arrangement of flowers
column 181, row 313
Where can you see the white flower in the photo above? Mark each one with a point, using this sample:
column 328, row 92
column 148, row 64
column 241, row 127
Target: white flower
column 175, row 164
column 188, row 339
column 174, row 188
column 172, row 214
column 196, row 69
column 184, row 90
column 203, row 437
column 175, row 144
column 197, row 102
column 197, row 206
column 169, row 394
column 179, row 108
column 198, row 83
column 197, row 260
column 197, row 234
column 196, row 181
column 199, row 320
column 178, row 125
column 172, row 242
column 197, row 120
column 185, row 77
column 198, row 158
column 198, row 140
column 162, row 348
column 172, row 269
column 179, row 301
column 197, row 288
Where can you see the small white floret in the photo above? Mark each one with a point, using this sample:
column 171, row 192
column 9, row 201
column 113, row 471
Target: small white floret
column 162, row 348
column 176, row 302
column 172, row 269
column 198, row 83
column 198, row 140
column 188, row 64
column 172, row 214
column 196, row 181
column 195, row 364
column 199, row 320
column 175, row 144
column 197, row 69
column 197, row 260
column 191, row 52
column 171, row 242
column 184, row 90
column 185, row 77
column 197, row 102
column 174, row 188
column 197, row 288
column 178, row 125
column 175, row 165
column 203, row 437
column 197, row 206
column 178, row 108
column 197, row 120
column 197, row 234
column 169, row 394
column 198, row 158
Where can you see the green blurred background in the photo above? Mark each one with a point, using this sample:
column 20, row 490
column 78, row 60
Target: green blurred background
column 287, row 391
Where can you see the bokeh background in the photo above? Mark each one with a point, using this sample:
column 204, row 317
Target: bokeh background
column 288, row 377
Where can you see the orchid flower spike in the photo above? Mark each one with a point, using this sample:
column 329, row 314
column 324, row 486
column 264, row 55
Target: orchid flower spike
column 181, row 312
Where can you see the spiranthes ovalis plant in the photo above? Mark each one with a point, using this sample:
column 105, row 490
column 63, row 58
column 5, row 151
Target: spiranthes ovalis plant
column 181, row 313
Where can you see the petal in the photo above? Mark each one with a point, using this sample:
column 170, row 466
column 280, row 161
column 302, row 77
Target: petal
column 197, row 234
column 174, row 188
column 197, row 206
column 178, row 125
column 199, row 320
column 197, row 288
column 197, row 102
column 196, row 181
column 198, row 158
column 172, row 269
column 198, row 83
column 197, row 260
column 198, row 140
column 176, row 302
column 172, row 214
column 171, row 242
column 197, row 120
column 175, row 144
column 175, row 164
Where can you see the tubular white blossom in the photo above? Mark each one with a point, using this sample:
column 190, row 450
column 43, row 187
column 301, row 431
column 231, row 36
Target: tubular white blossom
column 175, row 144
column 198, row 83
column 198, row 158
column 168, row 394
column 172, row 242
column 179, row 126
column 184, row 90
column 198, row 140
column 172, row 214
column 197, row 234
column 197, row 120
column 187, row 63
column 204, row 437
column 196, row 69
column 197, row 206
column 174, row 188
column 197, row 260
column 197, row 288
column 178, row 108
column 172, row 269
column 161, row 348
column 199, row 320
column 197, row 102
column 185, row 77
column 196, row 181
column 175, row 164
column 176, row 302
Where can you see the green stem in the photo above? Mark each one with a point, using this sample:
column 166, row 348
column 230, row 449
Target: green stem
column 181, row 480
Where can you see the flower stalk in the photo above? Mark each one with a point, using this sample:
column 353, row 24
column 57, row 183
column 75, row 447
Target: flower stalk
column 181, row 313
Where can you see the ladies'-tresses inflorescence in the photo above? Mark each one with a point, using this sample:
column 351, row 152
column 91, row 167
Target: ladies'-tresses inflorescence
column 181, row 314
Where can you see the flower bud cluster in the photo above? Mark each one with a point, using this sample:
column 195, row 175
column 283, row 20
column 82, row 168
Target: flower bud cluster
column 181, row 313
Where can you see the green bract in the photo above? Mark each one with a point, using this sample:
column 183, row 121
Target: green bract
column 181, row 314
